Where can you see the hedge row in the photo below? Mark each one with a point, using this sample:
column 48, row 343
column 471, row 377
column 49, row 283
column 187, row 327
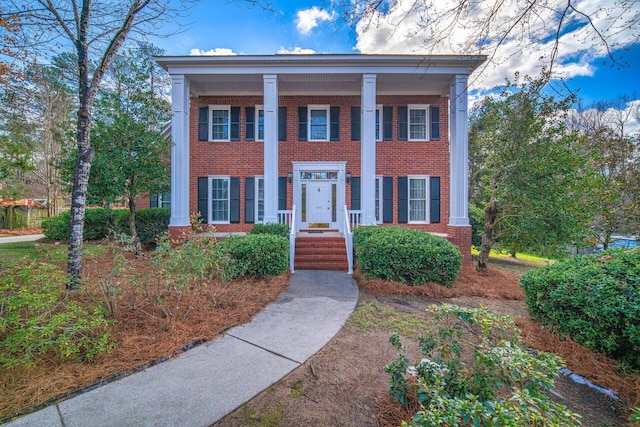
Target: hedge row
column 257, row 254
column 593, row 298
column 98, row 222
column 406, row 255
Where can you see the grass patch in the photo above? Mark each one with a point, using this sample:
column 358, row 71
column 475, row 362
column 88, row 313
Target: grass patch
column 266, row 417
column 34, row 251
column 519, row 255
column 370, row 315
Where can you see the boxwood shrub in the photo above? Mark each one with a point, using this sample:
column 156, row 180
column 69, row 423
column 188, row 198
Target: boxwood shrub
column 97, row 223
column 150, row 223
column 593, row 298
column 271, row 228
column 258, row 254
column 406, row 255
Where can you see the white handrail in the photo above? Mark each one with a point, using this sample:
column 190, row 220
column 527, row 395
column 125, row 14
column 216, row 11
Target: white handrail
column 292, row 238
column 348, row 239
column 355, row 218
column 284, row 216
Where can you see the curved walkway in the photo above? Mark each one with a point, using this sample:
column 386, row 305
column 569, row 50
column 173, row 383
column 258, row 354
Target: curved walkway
column 204, row 384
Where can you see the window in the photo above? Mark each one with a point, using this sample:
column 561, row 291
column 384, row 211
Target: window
column 220, row 122
column 378, row 122
column 259, row 123
column 379, row 199
column 418, row 118
column 164, row 199
column 418, row 199
column 259, row 199
column 318, row 123
column 219, row 199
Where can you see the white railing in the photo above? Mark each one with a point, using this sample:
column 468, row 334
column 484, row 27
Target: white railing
column 348, row 236
column 292, row 238
column 354, row 218
column 284, row 217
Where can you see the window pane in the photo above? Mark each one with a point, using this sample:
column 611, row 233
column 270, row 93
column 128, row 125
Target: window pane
column 260, row 124
column 417, row 124
column 165, row 199
column 318, row 125
column 220, row 199
column 377, row 124
column 260, row 199
column 417, row 199
column 334, row 199
column 304, row 203
column 378, row 199
column 219, row 124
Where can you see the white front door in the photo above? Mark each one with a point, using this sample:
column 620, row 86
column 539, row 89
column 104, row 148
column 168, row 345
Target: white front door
column 319, row 213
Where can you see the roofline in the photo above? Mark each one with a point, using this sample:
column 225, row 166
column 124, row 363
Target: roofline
column 469, row 62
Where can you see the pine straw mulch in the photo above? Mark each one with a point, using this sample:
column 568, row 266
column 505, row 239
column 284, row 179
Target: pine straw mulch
column 4, row 232
column 141, row 339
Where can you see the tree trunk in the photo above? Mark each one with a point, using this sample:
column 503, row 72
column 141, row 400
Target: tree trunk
column 490, row 215
column 132, row 226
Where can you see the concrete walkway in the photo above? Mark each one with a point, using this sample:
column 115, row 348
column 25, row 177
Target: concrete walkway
column 17, row 239
column 204, row 384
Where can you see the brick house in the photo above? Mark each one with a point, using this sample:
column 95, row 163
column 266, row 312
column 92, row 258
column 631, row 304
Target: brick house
column 323, row 141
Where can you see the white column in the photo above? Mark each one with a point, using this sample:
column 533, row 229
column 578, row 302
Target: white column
column 368, row 150
column 179, row 151
column 270, row 148
column 459, row 153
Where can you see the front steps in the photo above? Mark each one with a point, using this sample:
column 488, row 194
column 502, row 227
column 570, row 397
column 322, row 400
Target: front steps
column 320, row 253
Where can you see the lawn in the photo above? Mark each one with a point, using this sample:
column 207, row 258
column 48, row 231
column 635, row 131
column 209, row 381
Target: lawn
column 37, row 251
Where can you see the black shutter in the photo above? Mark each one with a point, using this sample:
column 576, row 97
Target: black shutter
column 403, row 123
column 302, row 123
column 434, row 192
column 355, row 123
column 234, row 130
column 249, row 200
column 282, row 123
column 153, row 201
column 387, row 123
column 203, row 199
column 203, row 124
column 355, row 193
column 282, row 193
column 250, row 123
column 434, row 112
column 234, row 201
column 334, row 124
column 387, row 199
column 403, row 199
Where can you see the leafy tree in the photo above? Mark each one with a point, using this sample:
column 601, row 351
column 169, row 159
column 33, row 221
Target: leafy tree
column 529, row 173
column 131, row 152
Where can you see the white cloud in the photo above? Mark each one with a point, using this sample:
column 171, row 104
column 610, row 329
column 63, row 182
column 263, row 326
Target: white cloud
column 308, row 19
column 428, row 27
column 219, row 51
column 295, row 50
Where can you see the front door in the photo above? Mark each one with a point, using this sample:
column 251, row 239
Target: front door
column 319, row 205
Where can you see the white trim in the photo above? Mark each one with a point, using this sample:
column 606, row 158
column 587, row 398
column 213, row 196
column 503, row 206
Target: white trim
column 379, row 116
column 327, row 110
column 426, row 200
column 420, row 107
column 256, row 199
column 210, row 198
column 213, row 108
column 256, row 123
column 340, row 187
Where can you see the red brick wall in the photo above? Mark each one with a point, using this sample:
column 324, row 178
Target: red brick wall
column 393, row 158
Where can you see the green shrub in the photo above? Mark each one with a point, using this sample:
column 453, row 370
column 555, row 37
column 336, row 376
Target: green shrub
column 476, row 218
column 504, row 384
column 271, row 228
column 405, row 255
column 150, row 223
column 258, row 254
column 593, row 298
column 38, row 315
column 97, row 223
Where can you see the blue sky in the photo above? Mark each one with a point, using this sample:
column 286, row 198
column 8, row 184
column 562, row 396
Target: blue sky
column 224, row 27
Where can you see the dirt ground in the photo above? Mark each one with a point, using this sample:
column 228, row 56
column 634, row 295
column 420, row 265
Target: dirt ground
column 20, row 232
column 342, row 385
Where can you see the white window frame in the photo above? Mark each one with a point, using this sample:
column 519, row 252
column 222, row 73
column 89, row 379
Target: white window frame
column 379, row 122
column 257, row 123
column 226, row 108
column 426, row 199
column 161, row 201
column 326, row 109
column 210, row 198
column 259, row 178
column 380, row 198
column 420, row 107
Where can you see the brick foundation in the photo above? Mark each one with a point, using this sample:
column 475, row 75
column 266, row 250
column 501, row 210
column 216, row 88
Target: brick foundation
column 461, row 237
column 179, row 233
